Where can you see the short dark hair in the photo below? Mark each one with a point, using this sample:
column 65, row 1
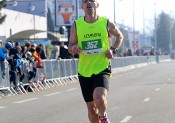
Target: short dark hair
column 27, row 44
column 38, row 49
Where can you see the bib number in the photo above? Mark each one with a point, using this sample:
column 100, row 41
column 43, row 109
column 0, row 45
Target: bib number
column 92, row 47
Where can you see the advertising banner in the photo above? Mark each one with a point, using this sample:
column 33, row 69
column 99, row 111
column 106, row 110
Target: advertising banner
column 66, row 11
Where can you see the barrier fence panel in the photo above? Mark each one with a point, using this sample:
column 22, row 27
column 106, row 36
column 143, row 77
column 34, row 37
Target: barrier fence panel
column 56, row 72
column 56, row 68
column 49, row 69
column 4, row 79
column 68, row 67
column 74, row 65
column 62, row 68
column 4, row 74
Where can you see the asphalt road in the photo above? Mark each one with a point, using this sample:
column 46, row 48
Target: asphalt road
column 143, row 95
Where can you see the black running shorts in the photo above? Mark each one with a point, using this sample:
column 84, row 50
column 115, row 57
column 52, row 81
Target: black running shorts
column 88, row 84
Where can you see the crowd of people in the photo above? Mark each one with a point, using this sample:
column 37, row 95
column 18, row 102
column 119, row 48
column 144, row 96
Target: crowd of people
column 16, row 55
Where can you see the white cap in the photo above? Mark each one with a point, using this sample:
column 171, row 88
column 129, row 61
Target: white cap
column 28, row 53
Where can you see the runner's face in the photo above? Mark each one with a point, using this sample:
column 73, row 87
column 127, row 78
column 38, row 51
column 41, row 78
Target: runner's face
column 89, row 5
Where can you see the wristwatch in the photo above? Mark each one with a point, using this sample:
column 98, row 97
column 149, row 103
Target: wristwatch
column 114, row 50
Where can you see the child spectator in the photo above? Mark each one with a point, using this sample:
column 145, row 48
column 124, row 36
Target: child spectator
column 31, row 67
column 37, row 57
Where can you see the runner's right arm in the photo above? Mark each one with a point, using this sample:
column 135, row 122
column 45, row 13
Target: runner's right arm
column 73, row 48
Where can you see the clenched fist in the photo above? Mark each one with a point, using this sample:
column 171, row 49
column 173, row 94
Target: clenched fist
column 109, row 54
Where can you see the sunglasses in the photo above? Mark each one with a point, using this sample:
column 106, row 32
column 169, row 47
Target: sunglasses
column 85, row 1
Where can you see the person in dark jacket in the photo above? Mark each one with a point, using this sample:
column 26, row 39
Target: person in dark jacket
column 43, row 51
column 64, row 54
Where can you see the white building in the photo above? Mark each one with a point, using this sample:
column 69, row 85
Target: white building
column 24, row 16
column 17, row 22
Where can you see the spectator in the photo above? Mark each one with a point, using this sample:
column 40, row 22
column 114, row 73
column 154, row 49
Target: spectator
column 35, row 45
column 31, row 68
column 18, row 53
column 23, row 51
column 129, row 52
column 36, row 55
column 12, row 63
column 28, row 45
column 43, row 51
column 138, row 52
column 19, row 62
column 3, row 56
column 17, row 44
column 55, row 54
column 64, row 54
column 10, row 49
column 152, row 52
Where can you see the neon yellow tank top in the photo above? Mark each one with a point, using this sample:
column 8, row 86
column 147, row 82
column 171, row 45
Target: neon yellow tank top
column 93, row 39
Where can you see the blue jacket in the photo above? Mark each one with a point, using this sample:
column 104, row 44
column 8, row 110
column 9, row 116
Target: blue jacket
column 3, row 55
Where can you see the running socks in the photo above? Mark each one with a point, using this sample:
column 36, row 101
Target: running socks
column 104, row 119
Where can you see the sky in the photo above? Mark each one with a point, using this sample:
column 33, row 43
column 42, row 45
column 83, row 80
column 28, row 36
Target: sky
column 143, row 10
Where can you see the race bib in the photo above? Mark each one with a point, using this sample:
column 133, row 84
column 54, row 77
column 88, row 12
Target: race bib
column 92, row 47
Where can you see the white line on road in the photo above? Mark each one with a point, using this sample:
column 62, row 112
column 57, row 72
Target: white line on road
column 165, row 84
column 1, row 107
column 72, row 89
column 27, row 100
column 126, row 119
column 169, row 79
column 51, row 94
column 146, row 99
column 157, row 89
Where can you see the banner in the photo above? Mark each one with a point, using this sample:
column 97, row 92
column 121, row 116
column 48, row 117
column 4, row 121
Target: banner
column 66, row 10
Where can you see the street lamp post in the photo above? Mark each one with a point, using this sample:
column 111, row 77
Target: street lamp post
column 170, row 45
column 134, row 23
column 77, row 9
column 114, row 11
column 143, row 21
column 32, row 8
column 155, row 24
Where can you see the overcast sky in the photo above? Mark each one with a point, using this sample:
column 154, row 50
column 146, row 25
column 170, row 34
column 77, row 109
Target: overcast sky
column 124, row 11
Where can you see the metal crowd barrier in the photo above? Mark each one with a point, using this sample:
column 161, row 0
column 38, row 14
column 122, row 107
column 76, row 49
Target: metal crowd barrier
column 64, row 71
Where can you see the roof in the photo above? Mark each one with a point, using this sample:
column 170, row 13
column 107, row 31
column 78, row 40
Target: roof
column 26, row 34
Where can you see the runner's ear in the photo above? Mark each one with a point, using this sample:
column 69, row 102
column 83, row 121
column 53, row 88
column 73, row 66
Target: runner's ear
column 97, row 5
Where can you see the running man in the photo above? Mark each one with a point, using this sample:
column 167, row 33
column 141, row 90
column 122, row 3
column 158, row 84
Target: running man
column 89, row 37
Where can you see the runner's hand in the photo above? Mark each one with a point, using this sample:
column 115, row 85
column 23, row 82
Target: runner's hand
column 75, row 49
column 109, row 54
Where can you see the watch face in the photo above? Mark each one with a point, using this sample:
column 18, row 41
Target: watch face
column 114, row 50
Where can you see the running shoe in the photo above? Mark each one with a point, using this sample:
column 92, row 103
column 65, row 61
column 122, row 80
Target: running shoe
column 104, row 119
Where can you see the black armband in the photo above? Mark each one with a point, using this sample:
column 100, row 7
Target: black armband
column 114, row 50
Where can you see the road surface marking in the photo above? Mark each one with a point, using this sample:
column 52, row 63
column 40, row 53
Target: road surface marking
column 126, row 119
column 165, row 84
column 72, row 89
column 27, row 100
column 1, row 107
column 157, row 89
column 169, row 79
column 146, row 99
column 51, row 94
